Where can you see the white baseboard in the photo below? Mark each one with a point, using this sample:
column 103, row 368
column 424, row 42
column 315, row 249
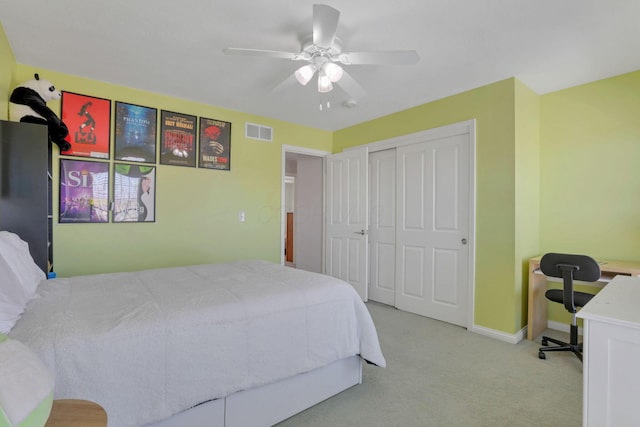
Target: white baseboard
column 521, row 334
column 499, row 335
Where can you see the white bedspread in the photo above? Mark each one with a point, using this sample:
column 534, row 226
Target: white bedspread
column 149, row 344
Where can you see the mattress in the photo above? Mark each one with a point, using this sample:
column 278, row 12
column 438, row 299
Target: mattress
column 146, row 345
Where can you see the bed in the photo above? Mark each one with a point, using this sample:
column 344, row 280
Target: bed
column 246, row 343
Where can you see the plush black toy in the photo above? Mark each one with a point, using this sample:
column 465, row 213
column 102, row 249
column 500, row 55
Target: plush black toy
column 28, row 103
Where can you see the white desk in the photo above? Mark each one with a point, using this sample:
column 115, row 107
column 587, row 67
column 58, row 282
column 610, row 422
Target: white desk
column 611, row 355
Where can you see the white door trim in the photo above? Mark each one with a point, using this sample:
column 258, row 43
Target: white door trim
column 465, row 127
column 468, row 126
column 283, row 211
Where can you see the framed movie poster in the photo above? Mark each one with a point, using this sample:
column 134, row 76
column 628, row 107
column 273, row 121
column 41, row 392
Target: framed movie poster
column 215, row 144
column 89, row 121
column 134, row 193
column 177, row 139
column 84, row 191
column 135, row 133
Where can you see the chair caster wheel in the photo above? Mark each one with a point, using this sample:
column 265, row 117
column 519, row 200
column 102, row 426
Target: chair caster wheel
column 544, row 342
column 541, row 355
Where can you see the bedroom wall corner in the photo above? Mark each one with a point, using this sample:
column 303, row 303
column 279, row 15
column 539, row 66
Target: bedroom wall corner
column 527, row 202
column 7, row 73
column 590, row 138
column 493, row 108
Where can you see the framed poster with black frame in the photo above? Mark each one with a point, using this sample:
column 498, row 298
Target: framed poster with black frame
column 135, row 133
column 215, row 144
column 177, row 139
column 89, row 121
column 84, row 191
column 134, row 193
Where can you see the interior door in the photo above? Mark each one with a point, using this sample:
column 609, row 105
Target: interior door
column 346, row 218
column 382, row 226
column 432, row 249
column 307, row 227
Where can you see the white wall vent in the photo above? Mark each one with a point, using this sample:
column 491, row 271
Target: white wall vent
column 254, row 131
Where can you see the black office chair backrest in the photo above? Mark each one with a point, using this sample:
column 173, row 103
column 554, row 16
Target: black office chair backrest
column 570, row 267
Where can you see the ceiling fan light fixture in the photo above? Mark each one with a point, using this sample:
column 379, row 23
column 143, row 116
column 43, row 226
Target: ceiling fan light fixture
column 305, row 73
column 324, row 83
column 333, row 71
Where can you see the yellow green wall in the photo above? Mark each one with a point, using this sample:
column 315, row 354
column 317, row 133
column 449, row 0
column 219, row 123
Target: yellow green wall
column 527, row 192
column 196, row 209
column 496, row 306
column 556, row 172
column 590, row 171
column 7, row 71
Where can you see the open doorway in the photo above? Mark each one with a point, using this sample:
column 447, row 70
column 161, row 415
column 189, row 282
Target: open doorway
column 302, row 208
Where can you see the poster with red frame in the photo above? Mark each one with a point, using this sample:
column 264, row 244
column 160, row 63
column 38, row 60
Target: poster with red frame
column 89, row 121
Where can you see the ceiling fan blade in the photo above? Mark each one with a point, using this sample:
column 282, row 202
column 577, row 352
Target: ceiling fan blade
column 325, row 25
column 390, row 57
column 285, row 85
column 351, row 86
column 265, row 53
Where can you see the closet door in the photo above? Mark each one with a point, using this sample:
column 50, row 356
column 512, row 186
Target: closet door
column 432, row 228
column 382, row 226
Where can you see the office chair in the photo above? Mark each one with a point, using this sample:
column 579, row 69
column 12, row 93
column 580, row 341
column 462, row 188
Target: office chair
column 568, row 268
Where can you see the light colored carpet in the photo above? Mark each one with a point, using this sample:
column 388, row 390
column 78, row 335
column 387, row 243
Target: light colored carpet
column 442, row 375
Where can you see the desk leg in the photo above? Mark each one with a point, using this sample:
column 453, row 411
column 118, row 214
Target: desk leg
column 537, row 302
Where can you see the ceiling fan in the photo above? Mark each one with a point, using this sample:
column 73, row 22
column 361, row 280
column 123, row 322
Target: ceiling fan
column 323, row 55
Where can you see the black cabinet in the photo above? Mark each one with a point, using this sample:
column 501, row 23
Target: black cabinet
column 25, row 187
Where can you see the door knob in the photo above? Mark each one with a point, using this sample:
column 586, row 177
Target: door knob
column 464, row 241
column 361, row 232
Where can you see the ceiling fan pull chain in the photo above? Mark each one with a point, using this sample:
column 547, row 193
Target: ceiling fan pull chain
column 324, row 102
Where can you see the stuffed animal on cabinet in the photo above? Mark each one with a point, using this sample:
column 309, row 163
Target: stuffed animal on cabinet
column 28, row 103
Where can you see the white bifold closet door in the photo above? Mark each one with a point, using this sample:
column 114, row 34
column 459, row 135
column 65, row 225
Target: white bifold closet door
column 413, row 231
column 382, row 226
column 432, row 253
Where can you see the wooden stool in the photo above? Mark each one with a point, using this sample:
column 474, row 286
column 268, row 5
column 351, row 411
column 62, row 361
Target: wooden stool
column 76, row 413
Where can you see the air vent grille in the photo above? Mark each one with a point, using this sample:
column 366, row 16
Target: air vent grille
column 259, row 132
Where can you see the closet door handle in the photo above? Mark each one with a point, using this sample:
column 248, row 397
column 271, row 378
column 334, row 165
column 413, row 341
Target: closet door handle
column 361, row 232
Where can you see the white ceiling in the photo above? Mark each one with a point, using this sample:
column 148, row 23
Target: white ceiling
column 175, row 48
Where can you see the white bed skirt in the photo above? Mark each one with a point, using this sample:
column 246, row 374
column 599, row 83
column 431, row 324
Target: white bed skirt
column 269, row 404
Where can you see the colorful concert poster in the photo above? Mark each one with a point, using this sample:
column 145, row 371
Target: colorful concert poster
column 135, row 133
column 134, row 192
column 215, row 144
column 84, row 191
column 177, row 139
column 89, row 121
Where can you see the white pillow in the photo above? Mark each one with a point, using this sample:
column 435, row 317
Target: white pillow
column 19, row 279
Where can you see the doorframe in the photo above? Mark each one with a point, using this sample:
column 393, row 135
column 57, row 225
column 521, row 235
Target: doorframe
column 283, row 209
column 460, row 128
